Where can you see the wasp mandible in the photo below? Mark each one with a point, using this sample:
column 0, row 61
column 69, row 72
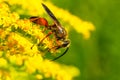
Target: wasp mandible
column 56, row 29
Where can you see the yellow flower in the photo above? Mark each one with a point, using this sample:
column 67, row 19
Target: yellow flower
column 3, row 62
column 33, row 6
column 33, row 63
column 4, row 75
column 59, row 72
column 17, row 36
column 3, row 33
column 39, row 77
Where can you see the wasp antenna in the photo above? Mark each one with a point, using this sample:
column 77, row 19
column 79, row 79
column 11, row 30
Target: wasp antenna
column 61, row 54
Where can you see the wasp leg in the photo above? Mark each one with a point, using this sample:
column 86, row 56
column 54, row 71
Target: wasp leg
column 64, row 44
column 32, row 46
column 61, row 54
column 44, row 38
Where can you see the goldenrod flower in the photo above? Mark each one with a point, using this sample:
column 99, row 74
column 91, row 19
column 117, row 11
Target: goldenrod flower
column 17, row 60
column 35, row 9
column 31, row 7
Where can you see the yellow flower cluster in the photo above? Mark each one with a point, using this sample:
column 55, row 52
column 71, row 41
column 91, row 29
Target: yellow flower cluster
column 34, row 8
column 17, row 60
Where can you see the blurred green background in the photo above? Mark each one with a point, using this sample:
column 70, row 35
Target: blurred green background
column 98, row 58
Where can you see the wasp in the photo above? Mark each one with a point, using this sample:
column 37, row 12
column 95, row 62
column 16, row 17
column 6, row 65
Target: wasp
column 56, row 29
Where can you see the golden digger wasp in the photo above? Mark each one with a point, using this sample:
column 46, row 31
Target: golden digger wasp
column 56, row 29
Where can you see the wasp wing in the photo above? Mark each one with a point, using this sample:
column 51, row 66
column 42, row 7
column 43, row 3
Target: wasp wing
column 51, row 15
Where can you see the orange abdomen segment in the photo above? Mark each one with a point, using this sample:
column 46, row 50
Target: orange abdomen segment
column 40, row 21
